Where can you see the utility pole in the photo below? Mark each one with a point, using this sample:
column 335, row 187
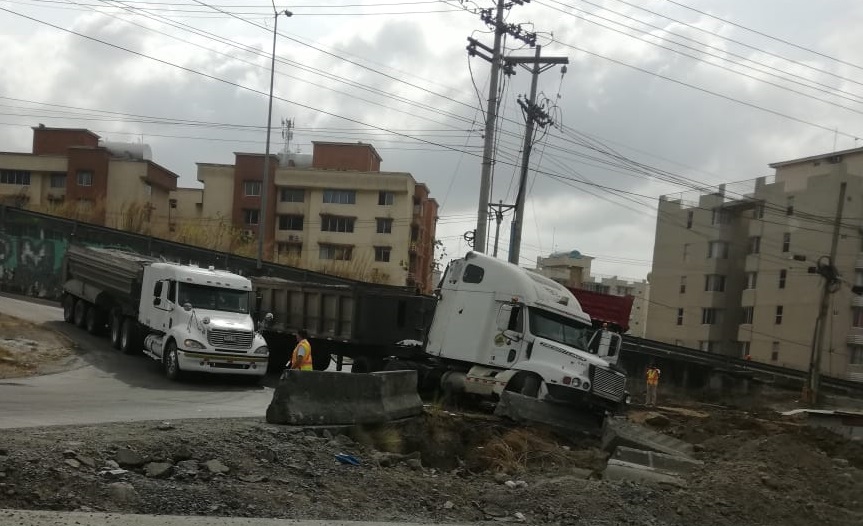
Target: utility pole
column 535, row 115
column 265, row 184
column 831, row 282
column 498, row 210
column 500, row 28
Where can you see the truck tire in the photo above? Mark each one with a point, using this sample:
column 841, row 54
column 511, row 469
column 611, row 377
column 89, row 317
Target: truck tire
column 80, row 314
column 69, row 308
column 171, row 362
column 530, row 387
column 364, row 364
column 129, row 337
column 94, row 321
column 116, row 329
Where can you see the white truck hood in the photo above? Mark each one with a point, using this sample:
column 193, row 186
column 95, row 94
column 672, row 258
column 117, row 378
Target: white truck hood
column 220, row 319
column 582, row 356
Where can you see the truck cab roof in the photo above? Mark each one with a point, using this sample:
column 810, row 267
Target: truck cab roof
column 203, row 276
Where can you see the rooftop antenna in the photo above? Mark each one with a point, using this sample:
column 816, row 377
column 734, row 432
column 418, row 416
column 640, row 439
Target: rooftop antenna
column 287, row 135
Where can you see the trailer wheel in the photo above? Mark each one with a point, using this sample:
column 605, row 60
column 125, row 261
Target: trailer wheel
column 94, row 321
column 116, row 330
column 69, row 308
column 80, row 315
column 171, row 362
column 129, row 337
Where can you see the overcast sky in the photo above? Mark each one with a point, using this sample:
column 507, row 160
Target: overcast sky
column 396, row 74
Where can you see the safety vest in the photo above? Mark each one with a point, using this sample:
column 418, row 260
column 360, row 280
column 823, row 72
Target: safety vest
column 304, row 363
column 653, row 377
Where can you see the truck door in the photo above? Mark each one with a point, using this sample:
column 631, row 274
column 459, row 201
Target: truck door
column 162, row 306
column 509, row 338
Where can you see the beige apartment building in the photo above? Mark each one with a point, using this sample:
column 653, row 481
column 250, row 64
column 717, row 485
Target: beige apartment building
column 334, row 212
column 725, row 278
column 73, row 173
column 572, row 269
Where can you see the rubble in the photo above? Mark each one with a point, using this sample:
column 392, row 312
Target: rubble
column 128, row 458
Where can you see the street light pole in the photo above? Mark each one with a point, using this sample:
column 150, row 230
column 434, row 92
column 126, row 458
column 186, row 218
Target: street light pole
column 265, row 185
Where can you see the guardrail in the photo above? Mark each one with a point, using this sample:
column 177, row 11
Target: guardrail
column 632, row 344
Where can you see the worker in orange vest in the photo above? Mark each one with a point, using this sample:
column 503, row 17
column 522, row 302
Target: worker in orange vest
column 653, row 374
column 301, row 358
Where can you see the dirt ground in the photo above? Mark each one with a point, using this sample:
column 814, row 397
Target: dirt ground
column 759, row 468
column 27, row 349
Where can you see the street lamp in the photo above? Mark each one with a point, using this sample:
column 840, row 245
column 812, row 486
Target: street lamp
column 262, row 219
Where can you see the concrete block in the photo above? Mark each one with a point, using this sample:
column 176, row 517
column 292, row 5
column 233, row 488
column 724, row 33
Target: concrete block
column 618, row 431
column 618, row 470
column 564, row 418
column 323, row 398
column 657, row 461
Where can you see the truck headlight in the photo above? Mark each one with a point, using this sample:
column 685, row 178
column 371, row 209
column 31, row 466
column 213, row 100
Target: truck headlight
column 193, row 344
column 262, row 350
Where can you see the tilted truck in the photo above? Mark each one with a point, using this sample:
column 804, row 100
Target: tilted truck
column 494, row 327
column 188, row 318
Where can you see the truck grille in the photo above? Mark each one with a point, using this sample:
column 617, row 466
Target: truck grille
column 608, row 384
column 229, row 338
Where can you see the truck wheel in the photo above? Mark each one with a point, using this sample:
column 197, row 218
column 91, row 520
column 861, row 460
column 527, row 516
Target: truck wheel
column 171, row 362
column 129, row 337
column 530, row 387
column 116, row 330
column 94, row 321
column 363, row 364
column 80, row 315
column 69, row 308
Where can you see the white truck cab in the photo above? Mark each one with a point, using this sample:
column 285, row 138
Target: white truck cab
column 198, row 319
column 514, row 329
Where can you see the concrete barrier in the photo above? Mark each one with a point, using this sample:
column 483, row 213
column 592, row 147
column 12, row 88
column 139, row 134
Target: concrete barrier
column 618, row 432
column 637, row 465
column 332, row 398
column 521, row 408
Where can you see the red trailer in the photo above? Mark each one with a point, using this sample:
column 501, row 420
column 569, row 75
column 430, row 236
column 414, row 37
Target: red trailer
column 605, row 308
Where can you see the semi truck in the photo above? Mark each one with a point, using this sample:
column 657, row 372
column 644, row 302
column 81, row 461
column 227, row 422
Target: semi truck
column 190, row 319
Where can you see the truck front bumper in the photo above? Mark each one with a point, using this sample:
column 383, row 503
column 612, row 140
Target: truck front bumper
column 578, row 397
column 206, row 362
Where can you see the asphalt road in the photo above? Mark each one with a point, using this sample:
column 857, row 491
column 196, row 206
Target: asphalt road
column 112, row 387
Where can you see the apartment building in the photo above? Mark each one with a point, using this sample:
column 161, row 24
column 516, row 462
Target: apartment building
column 72, row 172
column 335, row 212
column 725, row 278
column 573, row 269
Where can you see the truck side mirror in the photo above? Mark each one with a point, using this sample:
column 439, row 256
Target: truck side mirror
column 157, row 302
column 503, row 317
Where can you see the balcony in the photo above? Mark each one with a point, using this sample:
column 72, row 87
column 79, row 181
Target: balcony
column 413, row 247
column 855, row 337
column 856, row 301
column 858, row 264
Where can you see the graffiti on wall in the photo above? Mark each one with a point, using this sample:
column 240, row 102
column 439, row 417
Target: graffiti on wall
column 31, row 266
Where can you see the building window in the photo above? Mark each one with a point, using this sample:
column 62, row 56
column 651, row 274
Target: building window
column 340, row 197
column 335, row 252
column 744, row 348
column 58, row 180
column 385, row 225
column 717, row 250
column 686, row 252
column 720, row 217
column 855, row 354
column 858, row 278
column 290, row 250
column 759, row 211
column 17, row 177
column 783, row 274
column 382, row 254
column 786, row 242
column 748, row 314
column 251, row 216
column 751, row 280
column 857, row 317
column 292, row 195
column 789, row 209
column 711, row 316
column 290, row 222
column 779, row 311
column 689, row 217
column 774, row 352
column 714, row 283
column 754, row 246
column 386, row 198
column 252, row 188
column 85, row 178
column 678, row 343
column 707, row 346
column 680, row 316
column 337, row 224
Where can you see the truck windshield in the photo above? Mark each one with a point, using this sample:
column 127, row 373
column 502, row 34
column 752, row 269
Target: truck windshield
column 558, row 328
column 214, row 298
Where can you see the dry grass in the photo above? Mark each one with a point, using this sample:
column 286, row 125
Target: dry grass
column 519, row 449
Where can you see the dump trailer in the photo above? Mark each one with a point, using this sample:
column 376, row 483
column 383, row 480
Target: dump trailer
column 498, row 327
column 605, row 308
column 185, row 317
column 362, row 321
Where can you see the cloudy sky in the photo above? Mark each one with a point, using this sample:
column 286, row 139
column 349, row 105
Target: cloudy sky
column 660, row 96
